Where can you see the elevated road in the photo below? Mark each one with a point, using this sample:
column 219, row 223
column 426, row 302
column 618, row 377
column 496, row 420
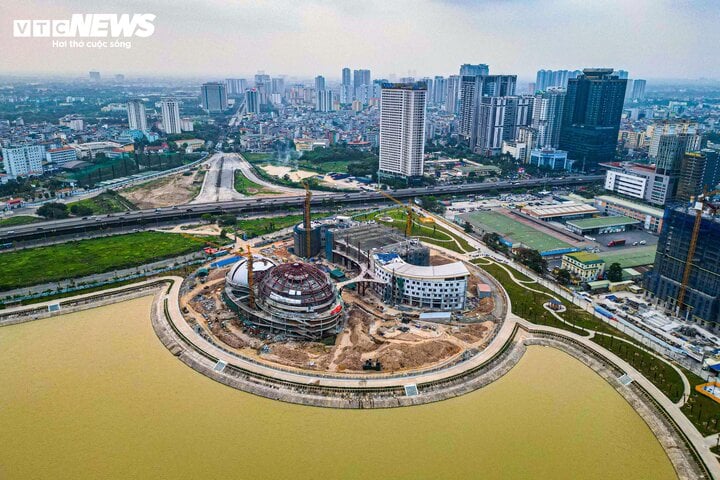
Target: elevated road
column 190, row 212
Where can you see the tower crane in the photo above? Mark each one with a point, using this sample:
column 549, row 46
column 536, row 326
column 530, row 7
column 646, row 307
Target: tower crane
column 251, row 279
column 408, row 208
column 699, row 207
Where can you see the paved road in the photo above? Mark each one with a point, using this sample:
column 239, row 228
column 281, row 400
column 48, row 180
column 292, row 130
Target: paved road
column 249, row 173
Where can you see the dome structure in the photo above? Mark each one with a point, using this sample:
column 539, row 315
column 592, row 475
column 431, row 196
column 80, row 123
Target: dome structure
column 297, row 286
column 237, row 277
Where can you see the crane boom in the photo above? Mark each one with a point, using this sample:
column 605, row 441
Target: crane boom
column 307, row 221
column 408, row 207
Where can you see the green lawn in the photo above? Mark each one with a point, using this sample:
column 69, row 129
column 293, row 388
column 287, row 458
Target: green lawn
column 106, row 202
column 19, row 220
column 431, row 233
column 703, row 412
column 254, row 227
column 248, row 187
column 258, row 157
column 630, row 257
column 514, row 231
column 86, row 257
column 658, row 372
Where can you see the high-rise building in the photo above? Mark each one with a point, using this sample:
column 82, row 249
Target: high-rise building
column 690, row 183
column 252, row 101
column 472, row 90
column 346, row 95
column 402, row 130
column 346, row 80
column 261, row 77
column 213, row 97
column 137, row 119
column 235, row 86
column 656, row 130
column 453, row 94
column 95, row 76
column 638, row 89
column 591, row 116
column 498, row 120
column 277, row 86
column 622, row 74
column 439, row 91
column 547, row 117
column 480, row 69
column 324, row 101
column 170, row 110
column 671, row 149
column 554, row 78
column 23, row 161
column 702, row 297
column 360, row 78
column 319, row 83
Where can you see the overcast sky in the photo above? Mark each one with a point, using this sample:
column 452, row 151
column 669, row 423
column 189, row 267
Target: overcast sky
column 216, row 38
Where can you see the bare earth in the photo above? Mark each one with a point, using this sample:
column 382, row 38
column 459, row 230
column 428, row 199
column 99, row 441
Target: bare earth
column 175, row 189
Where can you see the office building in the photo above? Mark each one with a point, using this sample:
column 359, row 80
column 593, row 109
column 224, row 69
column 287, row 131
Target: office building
column 702, row 296
column 402, row 130
column 252, row 101
column 23, row 161
column 550, row 158
column 671, row 150
column 59, row 156
column 137, row 118
column 584, row 266
column 213, row 97
column 638, row 89
column 622, row 74
column 170, row 110
column 547, row 115
column 591, row 117
column 478, row 70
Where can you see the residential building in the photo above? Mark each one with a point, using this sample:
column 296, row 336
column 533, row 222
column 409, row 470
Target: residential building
column 23, row 161
column 213, row 97
column 235, row 86
column 591, row 116
column 672, row 149
column 480, row 69
column 498, row 119
column 547, row 113
column 319, row 83
column 650, row 217
column 402, row 130
column 252, row 101
column 324, row 101
column 453, row 94
column 638, row 89
column 474, row 91
column 656, row 130
column 553, row 78
column 585, row 266
column 277, row 86
column 137, row 118
column 702, row 297
column 439, row 92
column 170, row 109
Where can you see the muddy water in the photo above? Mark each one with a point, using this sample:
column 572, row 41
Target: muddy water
column 95, row 395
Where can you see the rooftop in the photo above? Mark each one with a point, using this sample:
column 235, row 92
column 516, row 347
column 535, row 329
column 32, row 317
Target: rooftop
column 585, row 257
column 393, row 262
column 598, row 222
column 560, row 210
column 640, row 207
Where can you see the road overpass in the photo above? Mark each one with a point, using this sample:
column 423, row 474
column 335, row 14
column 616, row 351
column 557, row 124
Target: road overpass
column 250, row 205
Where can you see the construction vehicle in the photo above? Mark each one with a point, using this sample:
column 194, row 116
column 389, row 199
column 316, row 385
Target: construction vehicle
column 408, row 209
column 699, row 204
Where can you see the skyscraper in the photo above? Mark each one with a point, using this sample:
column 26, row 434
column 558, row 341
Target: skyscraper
column 474, row 70
column 235, row 86
column 638, row 90
column 453, row 93
column 252, row 101
column 324, row 101
column 170, row 109
column 95, row 76
column 591, row 116
column 402, row 130
column 137, row 119
column 278, row 86
column 547, row 117
column 498, row 120
column 360, row 78
column 671, row 150
column 346, row 80
column 622, row 74
column 690, row 183
column 213, row 97
column 472, row 90
column 439, row 92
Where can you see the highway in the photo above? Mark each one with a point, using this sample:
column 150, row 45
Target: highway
column 189, row 212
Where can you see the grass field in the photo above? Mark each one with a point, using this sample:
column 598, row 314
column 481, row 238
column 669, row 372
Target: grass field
column 254, row 227
column 258, row 157
column 106, row 202
column 630, row 257
column 514, row 231
column 248, row 187
column 19, row 220
column 703, row 412
column 87, row 257
column 430, row 233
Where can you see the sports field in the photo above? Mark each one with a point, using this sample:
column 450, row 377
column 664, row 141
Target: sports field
column 514, row 231
column 630, row 257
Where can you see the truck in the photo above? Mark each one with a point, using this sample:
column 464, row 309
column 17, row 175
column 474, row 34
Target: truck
column 616, row 243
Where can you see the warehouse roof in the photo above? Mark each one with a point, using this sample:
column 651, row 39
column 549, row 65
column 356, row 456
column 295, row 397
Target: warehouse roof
column 647, row 209
column 560, row 210
column 598, row 222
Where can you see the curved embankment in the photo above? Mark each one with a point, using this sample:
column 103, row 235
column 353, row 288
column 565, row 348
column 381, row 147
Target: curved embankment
column 681, row 441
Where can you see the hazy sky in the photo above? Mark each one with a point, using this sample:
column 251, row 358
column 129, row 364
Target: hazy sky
column 215, row 39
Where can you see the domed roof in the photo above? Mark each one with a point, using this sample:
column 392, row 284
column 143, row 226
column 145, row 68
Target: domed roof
column 238, row 274
column 297, row 284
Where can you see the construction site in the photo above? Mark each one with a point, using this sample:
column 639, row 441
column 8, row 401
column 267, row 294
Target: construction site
column 345, row 296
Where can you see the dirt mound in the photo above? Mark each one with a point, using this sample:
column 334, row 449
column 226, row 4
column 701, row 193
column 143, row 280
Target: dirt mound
column 473, row 332
column 175, row 189
column 404, row 356
column 290, row 354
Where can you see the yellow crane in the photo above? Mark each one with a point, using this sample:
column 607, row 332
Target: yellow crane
column 408, row 207
column 307, row 221
column 699, row 207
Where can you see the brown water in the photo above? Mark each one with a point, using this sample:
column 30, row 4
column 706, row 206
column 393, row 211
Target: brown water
column 95, row 395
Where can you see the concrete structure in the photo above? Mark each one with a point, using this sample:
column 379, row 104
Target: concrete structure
column 651, row 218
column 639, row 181
column 59, row 156
column 213, row 97
column 547, row 112
column 23, row 161
column 583, row 265
column 170, row 109
column 137, row 118
column 441, row 287
column 402, row 130
column 294, row 300
column 669, row 127
column 702, row 299
column 700, row 171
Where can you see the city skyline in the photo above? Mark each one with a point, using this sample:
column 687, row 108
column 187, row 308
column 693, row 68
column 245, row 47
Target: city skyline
column 653, row 40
